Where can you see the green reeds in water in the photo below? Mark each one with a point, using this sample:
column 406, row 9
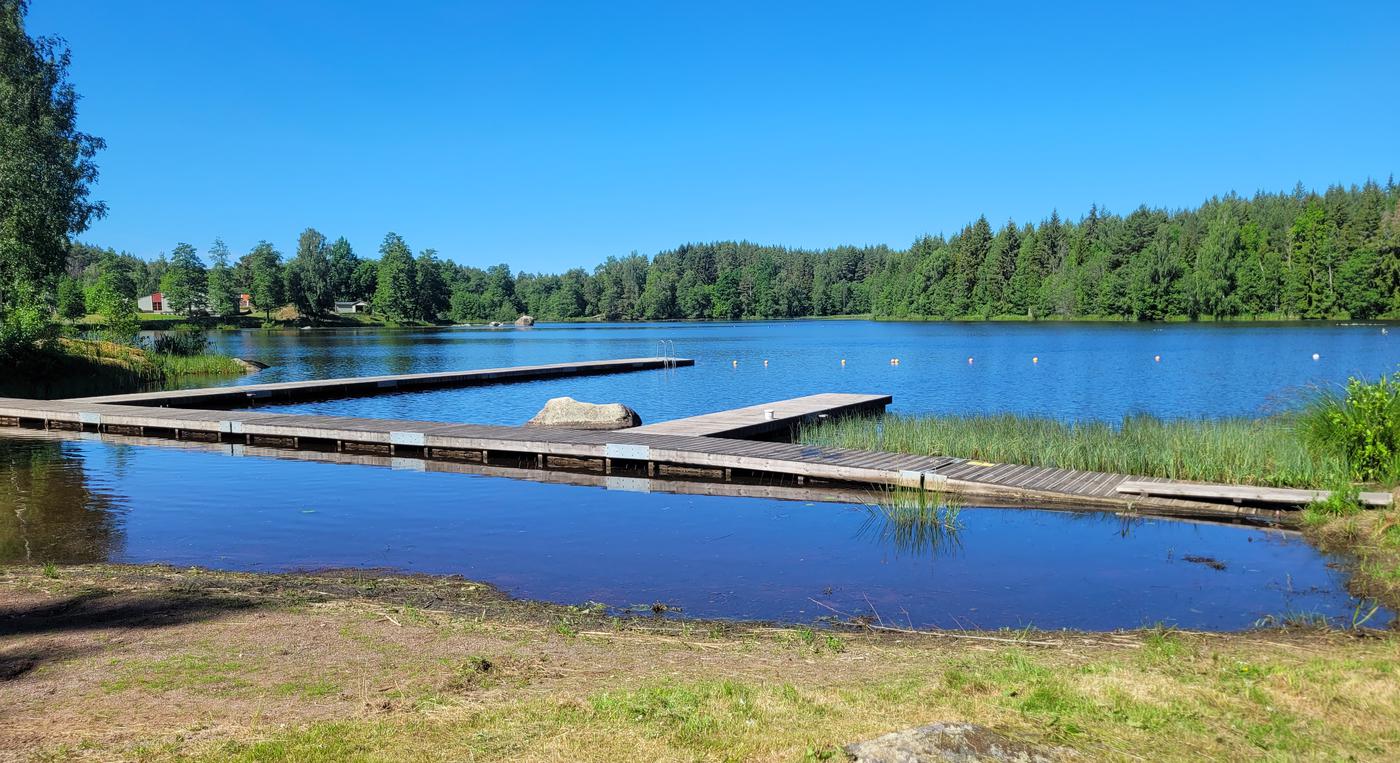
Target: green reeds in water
column 1236, row 451
column 914, row 522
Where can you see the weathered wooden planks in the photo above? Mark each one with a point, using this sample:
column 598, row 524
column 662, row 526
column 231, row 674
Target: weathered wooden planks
column 639, row 447
column 324, row 389
column 754, row 420
column 1241, row 493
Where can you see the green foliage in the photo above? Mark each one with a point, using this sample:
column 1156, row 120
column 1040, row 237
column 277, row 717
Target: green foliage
column 308, row 276
column 395, row 293
column 184, row 341
column 1343, row 500
column 72, row 304
column 1236, row 451
column 223, row 288
column 1362, row 426
column 264, row 275
column 185, row 284
column 46, row 170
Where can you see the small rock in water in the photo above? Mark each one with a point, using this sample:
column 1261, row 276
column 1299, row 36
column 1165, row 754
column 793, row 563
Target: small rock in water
column 495, row 324
column 568, row 413
column 250, row 366
column 525, row 320
column 950, row 743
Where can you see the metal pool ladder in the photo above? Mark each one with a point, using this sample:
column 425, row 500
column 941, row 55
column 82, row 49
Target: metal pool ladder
column 666, row 350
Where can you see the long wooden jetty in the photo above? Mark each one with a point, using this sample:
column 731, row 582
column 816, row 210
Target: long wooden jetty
column 627, row 453
column 324, row 389
column 768, row 418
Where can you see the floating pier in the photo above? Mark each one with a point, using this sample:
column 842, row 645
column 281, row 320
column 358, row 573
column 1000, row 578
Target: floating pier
column 708, row 449
column 768, row 418
column 326, row 389
column 629, row 454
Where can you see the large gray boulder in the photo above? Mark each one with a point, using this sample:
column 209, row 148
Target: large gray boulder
column 525, row 320
column 950, row 743
column 568, row 413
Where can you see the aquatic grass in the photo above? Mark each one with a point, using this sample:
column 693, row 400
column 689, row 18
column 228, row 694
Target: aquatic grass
column 914, row 522
column 1237, row 451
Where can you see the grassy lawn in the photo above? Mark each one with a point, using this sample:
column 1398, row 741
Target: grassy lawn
column 153, row 663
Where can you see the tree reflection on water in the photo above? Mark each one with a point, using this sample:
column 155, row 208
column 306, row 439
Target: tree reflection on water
column 49, row 510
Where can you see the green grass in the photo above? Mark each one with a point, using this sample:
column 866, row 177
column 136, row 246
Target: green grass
column 200, row 674
column 80, row 367
column 1236, row 451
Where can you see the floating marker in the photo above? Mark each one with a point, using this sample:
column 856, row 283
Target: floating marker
column 843, row 362
column 1156, row 358
column 736, row 364
column 969, row 361
column 1035, row 359
column 1316, row 356
column 765, row 364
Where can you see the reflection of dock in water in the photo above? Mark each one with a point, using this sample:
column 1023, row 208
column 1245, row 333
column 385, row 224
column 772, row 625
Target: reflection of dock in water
column 676, row 456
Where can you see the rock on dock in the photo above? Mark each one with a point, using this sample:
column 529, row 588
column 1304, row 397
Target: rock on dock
column 568, row 413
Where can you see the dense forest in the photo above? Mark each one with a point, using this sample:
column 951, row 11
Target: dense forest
column 1276, row 255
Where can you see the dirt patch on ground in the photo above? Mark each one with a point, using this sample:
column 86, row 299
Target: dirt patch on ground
column 155, row 663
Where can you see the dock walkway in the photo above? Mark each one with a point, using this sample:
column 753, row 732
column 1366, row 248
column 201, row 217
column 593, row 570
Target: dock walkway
column 624, row 452
column 755, row 420
column 325, row 389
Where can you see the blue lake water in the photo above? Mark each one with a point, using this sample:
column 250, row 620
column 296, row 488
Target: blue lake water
column 74, row 500
column 1099, row 371
column 70, row 500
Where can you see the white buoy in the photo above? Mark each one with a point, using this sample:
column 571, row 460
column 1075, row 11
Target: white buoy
column 843, row 362
column 1156, row 358
column 969, row 361
column 1316, row 356
column 1035, row 360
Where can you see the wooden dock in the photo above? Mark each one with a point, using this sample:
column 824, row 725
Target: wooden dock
column 1240, row 493
column 633, row 453
column 325, row 389
column 768, row 418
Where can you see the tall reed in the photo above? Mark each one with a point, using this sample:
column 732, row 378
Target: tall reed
column 1237, row 451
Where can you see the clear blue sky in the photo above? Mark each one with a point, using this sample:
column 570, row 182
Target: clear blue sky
column 548, row 135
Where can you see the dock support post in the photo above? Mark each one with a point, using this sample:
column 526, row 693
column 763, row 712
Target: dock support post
column 728, row 474
column 607, row 466
column 485, row 456
column 651, row 468
column 540, row 460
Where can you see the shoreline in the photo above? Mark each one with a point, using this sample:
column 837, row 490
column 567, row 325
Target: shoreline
column 162, row 663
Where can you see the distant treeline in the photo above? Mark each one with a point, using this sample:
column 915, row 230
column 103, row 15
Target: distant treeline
column 1283, row 255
